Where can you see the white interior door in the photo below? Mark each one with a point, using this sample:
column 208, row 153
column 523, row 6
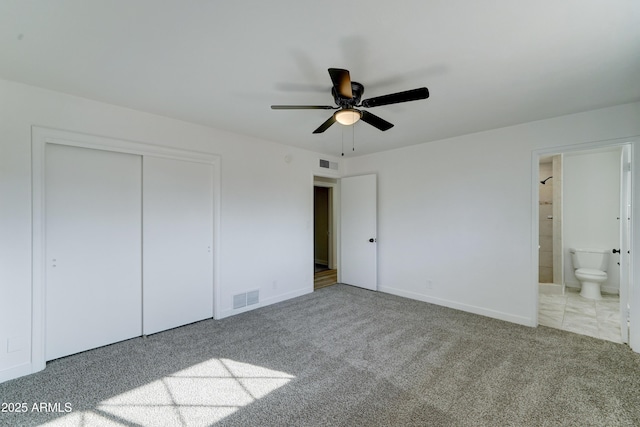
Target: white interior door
column 178, row 242
column 358, row 231
column 93, row 248
column 625, row 239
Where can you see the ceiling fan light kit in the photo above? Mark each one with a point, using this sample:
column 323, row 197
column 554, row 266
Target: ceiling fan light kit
column 347, row 94
column 347, row 116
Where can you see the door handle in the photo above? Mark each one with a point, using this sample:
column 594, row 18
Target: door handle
column 372, row 240
column 616, row 251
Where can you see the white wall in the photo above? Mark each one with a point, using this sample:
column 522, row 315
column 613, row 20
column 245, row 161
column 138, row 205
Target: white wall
column 458, row 211
column 266, row 238
column 591, row 206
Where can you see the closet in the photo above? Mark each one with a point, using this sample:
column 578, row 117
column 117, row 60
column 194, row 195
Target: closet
column 93, row 248
column 128, row 245
column 177, row 228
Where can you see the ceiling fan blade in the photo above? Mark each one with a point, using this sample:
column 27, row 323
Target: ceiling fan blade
column 331, row 120
column 303, row 107
column 375, row 121
column 341, row 81
column 394, row 98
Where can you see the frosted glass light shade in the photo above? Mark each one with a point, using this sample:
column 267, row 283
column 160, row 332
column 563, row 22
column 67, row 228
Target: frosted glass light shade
column 347, row 116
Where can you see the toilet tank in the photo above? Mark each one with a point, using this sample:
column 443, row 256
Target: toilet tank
column 597, row 259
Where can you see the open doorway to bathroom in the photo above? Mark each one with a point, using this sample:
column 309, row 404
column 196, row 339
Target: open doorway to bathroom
column 581, row 194
column 550, row 259
column 324, row 232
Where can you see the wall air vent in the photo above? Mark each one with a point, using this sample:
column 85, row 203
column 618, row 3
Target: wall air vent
column 326, row 164
column 245, row 299
column 239, row 300
column 253, row 297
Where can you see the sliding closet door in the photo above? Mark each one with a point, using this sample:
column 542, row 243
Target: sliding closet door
column 93, row 248
column 178, row 239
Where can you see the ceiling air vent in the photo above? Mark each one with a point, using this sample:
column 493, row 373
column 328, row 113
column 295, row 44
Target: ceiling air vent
column 326, row 164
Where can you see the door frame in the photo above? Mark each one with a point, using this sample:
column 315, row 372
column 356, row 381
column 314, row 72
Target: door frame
column 40, row 137
column 634, row 291
column 329, row 218
column 625, row 230
column 334, row 217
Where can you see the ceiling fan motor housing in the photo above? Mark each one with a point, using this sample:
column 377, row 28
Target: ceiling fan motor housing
column 356, row 88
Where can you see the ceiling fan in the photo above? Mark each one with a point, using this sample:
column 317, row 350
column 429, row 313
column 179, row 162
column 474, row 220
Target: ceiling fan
column 347, row 94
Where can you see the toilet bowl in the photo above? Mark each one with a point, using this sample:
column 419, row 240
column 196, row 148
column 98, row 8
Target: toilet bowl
column 590, row 269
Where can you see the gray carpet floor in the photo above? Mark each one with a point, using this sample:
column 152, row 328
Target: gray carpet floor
column 341, row 356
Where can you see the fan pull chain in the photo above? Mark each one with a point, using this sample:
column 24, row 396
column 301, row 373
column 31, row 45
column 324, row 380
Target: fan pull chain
column 353, row 137
column 342, row 141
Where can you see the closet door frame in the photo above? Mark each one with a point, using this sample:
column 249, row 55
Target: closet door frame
column 40, row 137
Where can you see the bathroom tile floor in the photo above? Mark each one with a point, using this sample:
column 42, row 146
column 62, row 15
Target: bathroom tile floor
column 573, row 313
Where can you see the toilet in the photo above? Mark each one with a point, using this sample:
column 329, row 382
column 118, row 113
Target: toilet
column 590, row 269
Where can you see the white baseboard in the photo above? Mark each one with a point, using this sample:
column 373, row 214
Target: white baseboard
column 16, row 372
column 513, row 318
column 265, row 302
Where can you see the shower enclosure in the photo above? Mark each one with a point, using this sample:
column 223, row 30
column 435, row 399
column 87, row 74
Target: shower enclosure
column 550, row 268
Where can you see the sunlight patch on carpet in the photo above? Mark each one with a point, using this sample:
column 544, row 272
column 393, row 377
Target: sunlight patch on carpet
column 196, row 396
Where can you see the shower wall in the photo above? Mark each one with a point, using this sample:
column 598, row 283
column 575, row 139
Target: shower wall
column 545, row 266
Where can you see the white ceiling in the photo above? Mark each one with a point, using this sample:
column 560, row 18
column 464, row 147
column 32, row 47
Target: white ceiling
column 487, row 64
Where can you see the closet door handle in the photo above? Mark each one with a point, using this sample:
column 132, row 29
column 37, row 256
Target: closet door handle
column 616, row 251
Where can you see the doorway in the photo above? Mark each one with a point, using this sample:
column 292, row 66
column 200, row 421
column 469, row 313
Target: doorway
column 591, row 200
column 550, row 259
column 324, row 232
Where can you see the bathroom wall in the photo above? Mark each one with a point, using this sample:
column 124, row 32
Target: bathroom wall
column 545, row 264
column 591, row 208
